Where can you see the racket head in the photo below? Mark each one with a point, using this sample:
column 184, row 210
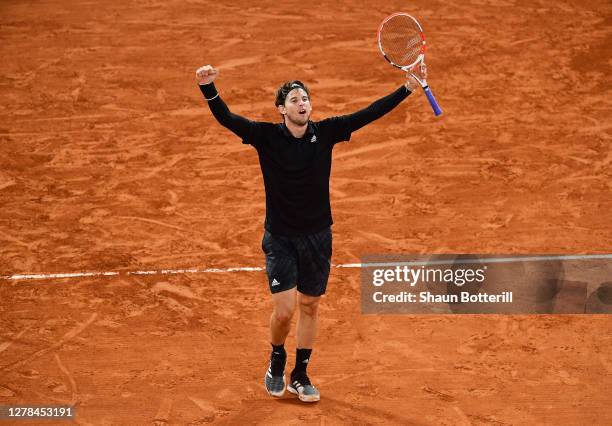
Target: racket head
column 401, row 40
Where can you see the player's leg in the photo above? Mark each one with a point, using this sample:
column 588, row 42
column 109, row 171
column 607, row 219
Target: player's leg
column 281, row 268
column 280, row 320
column 299, row 382
column 307, row 320
column 314, row 254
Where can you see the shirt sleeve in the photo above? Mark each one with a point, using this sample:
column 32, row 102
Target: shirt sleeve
column 340, row 128
column 249, row 131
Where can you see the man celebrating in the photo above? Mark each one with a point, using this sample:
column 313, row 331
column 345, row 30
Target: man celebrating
column 295, row 158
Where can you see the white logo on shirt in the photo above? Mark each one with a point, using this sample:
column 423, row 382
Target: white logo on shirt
column 313, row 139
column 274, row 282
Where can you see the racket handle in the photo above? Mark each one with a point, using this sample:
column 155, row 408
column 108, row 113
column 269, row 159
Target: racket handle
column 430, row 97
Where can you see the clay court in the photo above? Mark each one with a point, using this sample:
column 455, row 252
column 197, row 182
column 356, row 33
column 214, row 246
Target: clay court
column 110, row 161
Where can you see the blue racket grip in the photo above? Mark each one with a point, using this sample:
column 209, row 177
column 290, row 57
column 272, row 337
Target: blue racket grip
column 434, row 105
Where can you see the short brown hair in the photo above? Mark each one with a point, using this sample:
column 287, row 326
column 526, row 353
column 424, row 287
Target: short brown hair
column 288, row 86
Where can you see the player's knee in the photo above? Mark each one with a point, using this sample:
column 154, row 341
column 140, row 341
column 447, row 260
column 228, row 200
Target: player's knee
column 309, row 306
column 283, row 314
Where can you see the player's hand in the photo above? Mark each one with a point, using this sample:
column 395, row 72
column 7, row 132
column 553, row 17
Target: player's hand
column 420, row 71
column 411, row 82
column 206, row 74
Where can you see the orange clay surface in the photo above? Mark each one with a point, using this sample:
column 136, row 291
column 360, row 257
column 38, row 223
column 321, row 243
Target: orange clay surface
column 111, row 161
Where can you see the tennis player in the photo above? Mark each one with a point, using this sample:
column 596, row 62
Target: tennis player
column 295, row 158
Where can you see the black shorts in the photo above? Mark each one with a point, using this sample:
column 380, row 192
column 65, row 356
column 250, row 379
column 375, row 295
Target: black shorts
column 302, row 260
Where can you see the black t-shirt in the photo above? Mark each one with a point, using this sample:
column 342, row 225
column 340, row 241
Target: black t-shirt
column 296, row 170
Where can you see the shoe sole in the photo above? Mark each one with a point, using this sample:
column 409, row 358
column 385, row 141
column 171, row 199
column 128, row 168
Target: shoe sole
column 303, row 398
column 279, row 393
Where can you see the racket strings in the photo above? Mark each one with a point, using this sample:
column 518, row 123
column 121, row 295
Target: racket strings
column 401, row 40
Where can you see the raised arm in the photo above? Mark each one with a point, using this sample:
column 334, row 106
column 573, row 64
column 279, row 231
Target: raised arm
column 382, row 106
column 241, row 126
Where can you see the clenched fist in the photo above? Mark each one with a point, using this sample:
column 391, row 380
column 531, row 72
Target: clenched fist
column 206, row 74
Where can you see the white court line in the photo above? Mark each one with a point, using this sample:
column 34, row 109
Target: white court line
column 64, row 275
column 16, row 277
column 151, row 272
column 478, row 260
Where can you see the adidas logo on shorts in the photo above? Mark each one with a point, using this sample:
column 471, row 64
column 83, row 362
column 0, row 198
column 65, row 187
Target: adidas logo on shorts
column 274, row 282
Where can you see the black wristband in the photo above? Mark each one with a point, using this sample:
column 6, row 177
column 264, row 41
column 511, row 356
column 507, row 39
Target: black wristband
column 209, row 91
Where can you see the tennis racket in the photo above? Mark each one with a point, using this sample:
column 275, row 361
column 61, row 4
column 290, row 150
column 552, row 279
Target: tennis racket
column 402, row 43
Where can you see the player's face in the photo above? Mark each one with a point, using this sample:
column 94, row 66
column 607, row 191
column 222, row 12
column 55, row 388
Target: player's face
column 297, row 107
